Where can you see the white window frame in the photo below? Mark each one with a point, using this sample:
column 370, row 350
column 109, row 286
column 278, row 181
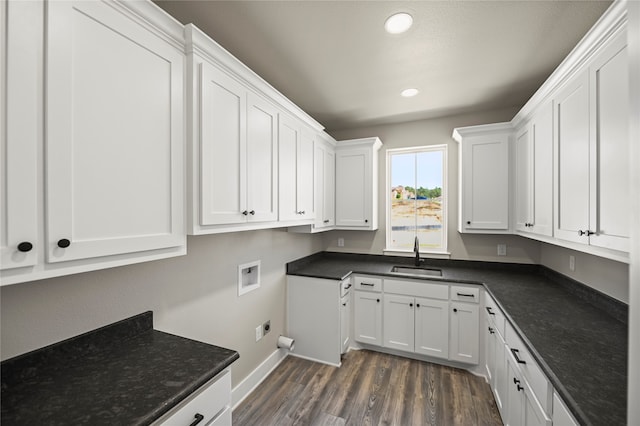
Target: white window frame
column 444, row 148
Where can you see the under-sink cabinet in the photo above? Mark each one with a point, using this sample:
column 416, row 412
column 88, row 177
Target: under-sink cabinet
column 318, row 317
column 432, row 318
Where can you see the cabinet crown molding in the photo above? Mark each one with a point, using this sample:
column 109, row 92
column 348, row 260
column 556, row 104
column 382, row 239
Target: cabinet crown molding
column 613, row 19
column 375, row 142
column 484, row 129
column 199, row 43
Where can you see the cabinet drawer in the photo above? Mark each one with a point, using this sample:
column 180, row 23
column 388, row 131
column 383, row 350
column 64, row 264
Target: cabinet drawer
column 417, row 288
column 367, row 283
column 465, row 293
column 529, row 368
column 494, row 314
column 210, row 401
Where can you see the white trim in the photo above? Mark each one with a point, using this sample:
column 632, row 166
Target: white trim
column 257, row 376
column 444, row 149
column 308, row 358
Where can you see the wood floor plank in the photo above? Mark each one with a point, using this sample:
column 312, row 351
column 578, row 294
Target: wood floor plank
column 370, row 388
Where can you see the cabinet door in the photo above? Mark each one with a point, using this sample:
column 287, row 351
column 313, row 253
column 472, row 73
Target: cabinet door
column 345, row 323
column 610, row 190
column 542, row 166
column 262, row 153
column 571, row 113
column 500, row 383
column 465, row 337
column 398, row 329
column 353, row 193
column 561, row 415
column 515, row 397
column 490, row 351
column 368, row 318
column 289, row 143
column 432, row 327
column 223, row 148
column 114, row 134
column 486, row 183
column 329, row 201
column 20, row 103
column 304, row 176
column 523, row 193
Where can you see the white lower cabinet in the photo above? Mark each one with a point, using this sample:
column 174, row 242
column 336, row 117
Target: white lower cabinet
column 208, row 405
column 523, row 406
column 416, row 316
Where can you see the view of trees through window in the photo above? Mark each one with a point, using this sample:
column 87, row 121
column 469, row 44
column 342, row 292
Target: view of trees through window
column 416, row 206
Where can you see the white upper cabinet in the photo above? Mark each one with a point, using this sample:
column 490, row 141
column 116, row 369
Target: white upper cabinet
column 357, row 184
column 251, row 150
column 534, row 174
column 109, row 146
column 592, row 185
column 296, row 154
column 484, row 178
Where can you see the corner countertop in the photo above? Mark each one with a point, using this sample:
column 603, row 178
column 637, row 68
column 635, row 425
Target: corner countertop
column 577, row 335
column 125, row 373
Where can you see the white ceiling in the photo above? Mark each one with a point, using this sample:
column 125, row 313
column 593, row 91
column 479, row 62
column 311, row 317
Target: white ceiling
column 335, row 61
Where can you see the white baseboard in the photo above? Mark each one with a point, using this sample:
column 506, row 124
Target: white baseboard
column 308, row 358
column 246, row 386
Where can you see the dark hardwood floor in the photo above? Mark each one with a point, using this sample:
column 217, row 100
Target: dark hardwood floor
column 370, row 388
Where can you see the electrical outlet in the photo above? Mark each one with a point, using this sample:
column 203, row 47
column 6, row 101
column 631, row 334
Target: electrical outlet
column 258, row 332
column 340, row 242
column 502, row 249
column 266, row 327
column 572, row 263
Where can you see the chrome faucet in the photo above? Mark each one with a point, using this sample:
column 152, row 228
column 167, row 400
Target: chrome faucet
column 416, row 250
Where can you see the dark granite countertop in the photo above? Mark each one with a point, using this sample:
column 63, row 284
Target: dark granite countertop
column 125, row 373
column 577, row 335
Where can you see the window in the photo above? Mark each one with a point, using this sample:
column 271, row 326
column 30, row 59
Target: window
column 417, row 198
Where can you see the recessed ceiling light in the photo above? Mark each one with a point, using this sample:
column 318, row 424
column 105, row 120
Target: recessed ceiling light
column 407, row 93
column 398, row 23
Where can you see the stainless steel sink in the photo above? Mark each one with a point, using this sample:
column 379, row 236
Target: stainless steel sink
column 416, row 270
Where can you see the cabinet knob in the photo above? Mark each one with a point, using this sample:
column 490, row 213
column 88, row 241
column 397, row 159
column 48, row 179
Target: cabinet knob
column 411, row 305
column 589, row 232
column 455, row 310
column 417, row 305
column 468, row 222
column 326, row 221
column 64, row 243
column 344, row 304
column 25, row 246
column 519, row 388
column 252, row 212
column 515, row 381
column 366, row 221
column 491, row 331
column 245, row 212
column 378, row 300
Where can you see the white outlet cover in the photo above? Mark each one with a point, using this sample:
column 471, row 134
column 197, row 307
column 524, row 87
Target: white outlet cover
column 502, row 249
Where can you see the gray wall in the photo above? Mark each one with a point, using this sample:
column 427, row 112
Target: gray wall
column 194, row 296
column 607, row 276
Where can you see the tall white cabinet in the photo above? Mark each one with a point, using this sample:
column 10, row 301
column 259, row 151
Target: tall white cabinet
column 103, row 127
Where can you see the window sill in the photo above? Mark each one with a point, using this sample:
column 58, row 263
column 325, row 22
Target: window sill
column 430, row 254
